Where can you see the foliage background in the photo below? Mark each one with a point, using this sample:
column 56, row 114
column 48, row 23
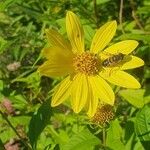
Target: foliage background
column 29, row 120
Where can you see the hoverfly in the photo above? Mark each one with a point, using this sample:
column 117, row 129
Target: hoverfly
column 113, row 60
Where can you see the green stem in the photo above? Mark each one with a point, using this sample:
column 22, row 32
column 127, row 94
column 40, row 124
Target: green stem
column 104, row 137
column 13, row 128
column 95, row 12
column 120, row 16
column 78, row 123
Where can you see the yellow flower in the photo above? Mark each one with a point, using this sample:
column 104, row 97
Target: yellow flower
column 84, row 84
column 115, row 74
column 104, row 114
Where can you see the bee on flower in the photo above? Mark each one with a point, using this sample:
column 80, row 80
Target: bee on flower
column 85, row 81
column 113, row 60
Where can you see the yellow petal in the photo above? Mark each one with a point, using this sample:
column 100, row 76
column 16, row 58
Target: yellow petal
column 61, row 92
column 135, row 62
column 102, row 90
column 75, row 32
column 124, row 47
column 79, row 92
column 103, row 36
column 55, row 69
column 56, row 53
column 92, row 106
column 56, row 39
column 59, row 62
column 122, row 79
column 92, row 102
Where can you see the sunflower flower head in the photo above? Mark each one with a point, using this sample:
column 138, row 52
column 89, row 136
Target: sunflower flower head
column 85, row 76
column 103, row 115
column 86, row 63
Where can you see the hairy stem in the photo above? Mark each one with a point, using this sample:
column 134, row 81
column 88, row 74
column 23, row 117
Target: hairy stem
column 120, row 16
column 135, row 17
column 13, row 128
column 104, row 137
column 95, row 12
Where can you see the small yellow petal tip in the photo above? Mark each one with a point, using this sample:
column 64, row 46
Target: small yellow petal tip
column 91, row 114
column 135, row 43
column 138, row 86
column 70, row 13
column 76, row 110
column 111, row 102
column 46, row 30
column 114, row 23
column 53, row 104
column 39, row 70
column 142, row 62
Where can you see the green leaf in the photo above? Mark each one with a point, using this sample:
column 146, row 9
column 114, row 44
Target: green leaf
column 33, row 80
column 99, row 2
column 142, row 123
column 142, row 126
column 3, row 45
column 38, row 122
column 141, row 37
column 134, row 97
column 114, row 136
column 45, row 142
column 5, row 4
column 16, row 120
column 82, row 141
column 33, row 13
column 89, row 33
column 6, row 133
column 19, row 101
column 143, row 10
column 4, row 18
column 147, row 72
column 129, row 133
column 61, row 23
column 129, row 25
column 1, row 145
column 137, row 144
column 1, row 85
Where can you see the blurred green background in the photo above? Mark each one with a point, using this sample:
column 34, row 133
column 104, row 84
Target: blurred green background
column 27, row 121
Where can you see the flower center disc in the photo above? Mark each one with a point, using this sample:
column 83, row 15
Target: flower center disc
column 86, row 63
